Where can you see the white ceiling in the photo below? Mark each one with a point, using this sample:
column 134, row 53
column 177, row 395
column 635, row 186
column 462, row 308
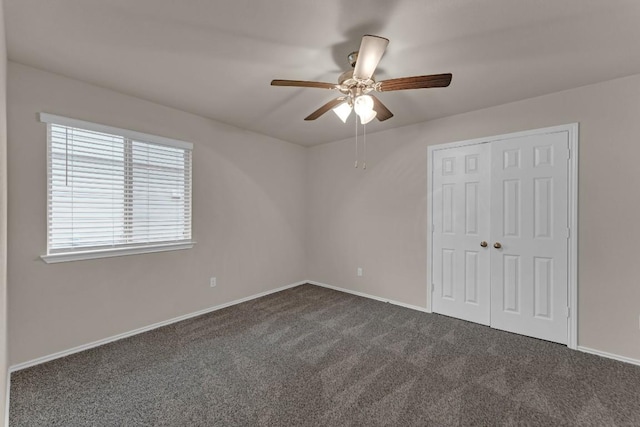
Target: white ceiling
column 216, row 58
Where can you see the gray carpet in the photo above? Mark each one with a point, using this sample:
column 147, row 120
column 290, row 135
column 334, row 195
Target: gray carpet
column 312, row 356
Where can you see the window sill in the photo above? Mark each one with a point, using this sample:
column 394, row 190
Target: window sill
column 107, row 253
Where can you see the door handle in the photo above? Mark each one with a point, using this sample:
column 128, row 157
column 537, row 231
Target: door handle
column 483, row 244
column 497, row 245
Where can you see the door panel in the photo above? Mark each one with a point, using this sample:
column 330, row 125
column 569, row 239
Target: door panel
column 530, row 220
column 471, row 277
column 511, row 284
column 511, row 207
column 461, row 200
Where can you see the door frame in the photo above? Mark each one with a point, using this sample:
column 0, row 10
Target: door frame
column 572, row 205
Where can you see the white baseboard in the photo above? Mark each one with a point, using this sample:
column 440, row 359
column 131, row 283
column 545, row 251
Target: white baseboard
column 103, row 341
column 362, row 294
column 609, row 355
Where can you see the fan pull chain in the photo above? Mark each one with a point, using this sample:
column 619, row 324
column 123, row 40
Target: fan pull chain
column 356, row 164
column 364, row 146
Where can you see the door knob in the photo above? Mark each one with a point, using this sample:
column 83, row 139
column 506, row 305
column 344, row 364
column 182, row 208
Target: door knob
column 483, row 244
column 497, row 245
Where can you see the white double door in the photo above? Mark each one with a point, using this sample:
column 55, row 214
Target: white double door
column 500, row 229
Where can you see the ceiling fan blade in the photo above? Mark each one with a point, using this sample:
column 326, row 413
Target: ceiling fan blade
column 382, row 111
column 371, row 50
column 416, row 82
column 303, row 83
column 326, row 107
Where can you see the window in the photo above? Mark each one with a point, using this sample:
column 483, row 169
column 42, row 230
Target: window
column 114, row 192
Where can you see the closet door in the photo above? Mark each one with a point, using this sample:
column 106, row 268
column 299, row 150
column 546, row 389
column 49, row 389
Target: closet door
column 529, row 227
column 461, row 261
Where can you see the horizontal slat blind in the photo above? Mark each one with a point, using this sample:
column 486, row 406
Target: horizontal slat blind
column 108, row 191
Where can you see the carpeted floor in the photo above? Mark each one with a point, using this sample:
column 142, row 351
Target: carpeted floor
column 313, row 356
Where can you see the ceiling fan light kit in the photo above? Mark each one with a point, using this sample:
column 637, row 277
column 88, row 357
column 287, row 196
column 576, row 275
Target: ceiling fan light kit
column 356, row 85
column 363, row 105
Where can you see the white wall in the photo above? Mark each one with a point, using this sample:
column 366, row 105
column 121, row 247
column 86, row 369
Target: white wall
column 248, row 221
column 3, row 216
column 265, row 210
column 377, row 219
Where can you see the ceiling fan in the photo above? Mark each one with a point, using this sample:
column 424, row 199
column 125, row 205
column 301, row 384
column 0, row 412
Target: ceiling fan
column 356, row 86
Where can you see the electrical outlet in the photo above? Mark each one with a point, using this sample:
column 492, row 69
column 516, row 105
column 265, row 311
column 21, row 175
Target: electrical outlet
column 212, row 282
column 359, row 272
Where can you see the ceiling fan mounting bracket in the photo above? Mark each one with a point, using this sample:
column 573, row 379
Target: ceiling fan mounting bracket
column 353, row 57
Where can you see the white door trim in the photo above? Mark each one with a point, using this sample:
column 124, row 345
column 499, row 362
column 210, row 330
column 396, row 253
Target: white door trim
column 572, row 130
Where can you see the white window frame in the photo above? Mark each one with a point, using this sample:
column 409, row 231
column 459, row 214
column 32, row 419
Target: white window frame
column 85, row 254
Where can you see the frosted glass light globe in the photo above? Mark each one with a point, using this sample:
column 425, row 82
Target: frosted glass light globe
column 366, row 118
column 363, row 105
column 343, row 111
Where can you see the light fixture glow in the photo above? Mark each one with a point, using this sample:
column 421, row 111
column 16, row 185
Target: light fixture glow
column 343, row 111
column 367, row 117
column 363, row 105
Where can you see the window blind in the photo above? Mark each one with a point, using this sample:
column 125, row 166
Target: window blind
column 115, row 189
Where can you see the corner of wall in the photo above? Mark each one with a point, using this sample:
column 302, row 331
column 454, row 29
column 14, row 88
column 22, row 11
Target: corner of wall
column 307, row 211
column 4, row 376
